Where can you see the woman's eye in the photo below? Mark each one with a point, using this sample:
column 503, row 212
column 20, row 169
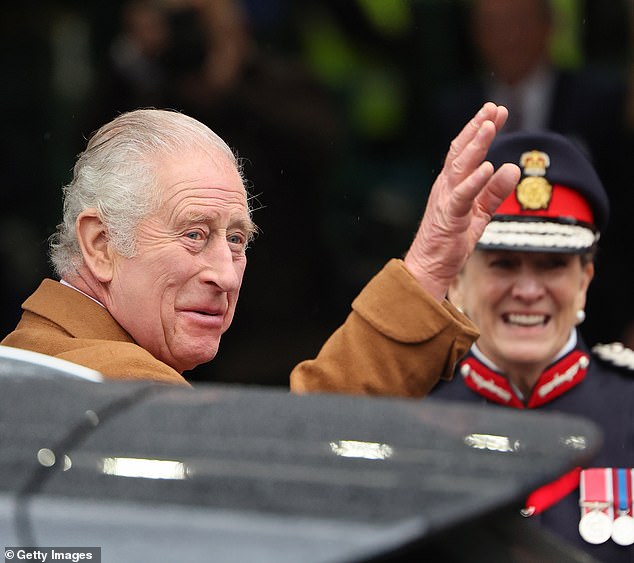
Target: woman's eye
column 501, row 263
column 555, row 263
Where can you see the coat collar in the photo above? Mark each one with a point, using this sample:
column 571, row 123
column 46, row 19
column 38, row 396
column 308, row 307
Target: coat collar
column 70, row 308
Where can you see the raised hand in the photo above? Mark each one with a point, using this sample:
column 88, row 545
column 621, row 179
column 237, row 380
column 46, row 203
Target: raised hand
column 462, row 200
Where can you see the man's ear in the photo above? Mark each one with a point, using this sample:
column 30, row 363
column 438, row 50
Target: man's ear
column 94, row 244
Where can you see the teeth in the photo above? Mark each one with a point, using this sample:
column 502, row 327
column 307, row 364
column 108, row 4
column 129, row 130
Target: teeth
column 527, row 320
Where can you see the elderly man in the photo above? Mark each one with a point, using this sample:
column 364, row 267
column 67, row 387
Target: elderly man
column 151, row 254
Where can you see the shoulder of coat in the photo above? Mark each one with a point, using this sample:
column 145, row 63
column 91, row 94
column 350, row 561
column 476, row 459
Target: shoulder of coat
column 615, row 354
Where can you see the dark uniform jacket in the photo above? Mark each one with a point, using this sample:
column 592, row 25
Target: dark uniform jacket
column 604, row 394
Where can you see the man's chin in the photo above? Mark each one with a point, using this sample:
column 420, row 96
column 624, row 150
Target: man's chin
column 192, row 358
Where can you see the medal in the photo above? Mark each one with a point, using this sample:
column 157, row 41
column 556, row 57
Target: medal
column 596, row 501
column 623, row 530
column 595, row 526
column 623, row 525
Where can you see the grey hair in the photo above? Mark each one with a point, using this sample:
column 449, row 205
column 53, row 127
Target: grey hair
column 117, row 175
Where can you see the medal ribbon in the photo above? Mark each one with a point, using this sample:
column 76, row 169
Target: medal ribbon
column 596, row 491
column 623, row 526
column 622, row 479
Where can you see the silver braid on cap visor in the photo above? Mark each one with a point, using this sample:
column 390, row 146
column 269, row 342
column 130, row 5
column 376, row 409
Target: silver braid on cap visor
column 537, row 234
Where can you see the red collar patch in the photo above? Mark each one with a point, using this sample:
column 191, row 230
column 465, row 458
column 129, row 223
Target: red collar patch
column 553, row 382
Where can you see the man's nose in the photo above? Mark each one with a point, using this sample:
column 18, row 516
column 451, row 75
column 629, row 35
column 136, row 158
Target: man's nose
column 218, row 265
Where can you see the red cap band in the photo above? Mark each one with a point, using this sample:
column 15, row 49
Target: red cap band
column 564, row 204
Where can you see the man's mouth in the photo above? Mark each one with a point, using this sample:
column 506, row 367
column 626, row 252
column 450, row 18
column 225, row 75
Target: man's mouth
column 528, row 320
column 205, row 313
column 206, row 318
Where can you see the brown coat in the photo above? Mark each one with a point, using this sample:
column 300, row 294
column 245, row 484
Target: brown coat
column 396, row 341
column 61, row 322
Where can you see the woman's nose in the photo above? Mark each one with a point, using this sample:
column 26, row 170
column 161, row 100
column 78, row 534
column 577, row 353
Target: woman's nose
column 528, row 286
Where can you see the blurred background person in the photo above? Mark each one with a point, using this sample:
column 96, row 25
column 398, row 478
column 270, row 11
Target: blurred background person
column 514, row 47
column 525, row 287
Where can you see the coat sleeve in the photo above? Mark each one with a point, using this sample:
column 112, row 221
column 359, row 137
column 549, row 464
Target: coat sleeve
column 396, row 341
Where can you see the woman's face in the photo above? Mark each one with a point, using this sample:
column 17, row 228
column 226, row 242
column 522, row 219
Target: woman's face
column 524, row 303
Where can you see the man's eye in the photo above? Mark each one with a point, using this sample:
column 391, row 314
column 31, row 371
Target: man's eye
column 235, row 239
column 194, row 235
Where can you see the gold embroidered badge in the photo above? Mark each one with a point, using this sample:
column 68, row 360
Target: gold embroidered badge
column 534, row 192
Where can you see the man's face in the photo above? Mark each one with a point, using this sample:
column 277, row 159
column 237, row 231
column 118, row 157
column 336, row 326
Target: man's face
column 177, row 296
column 524, row 303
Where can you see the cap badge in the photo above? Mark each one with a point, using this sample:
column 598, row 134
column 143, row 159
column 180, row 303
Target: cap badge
column 534, row 192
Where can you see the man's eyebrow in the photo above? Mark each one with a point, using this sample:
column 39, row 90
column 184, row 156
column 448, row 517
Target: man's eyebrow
column 245, row 224
column 195, row 217
column 242, row 222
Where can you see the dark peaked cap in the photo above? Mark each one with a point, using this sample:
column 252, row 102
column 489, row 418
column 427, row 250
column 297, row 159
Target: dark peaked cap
column 559, row 205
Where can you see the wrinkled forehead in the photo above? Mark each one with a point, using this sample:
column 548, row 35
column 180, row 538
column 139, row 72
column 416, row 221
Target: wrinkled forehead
column 199, row 187
column 199, row 171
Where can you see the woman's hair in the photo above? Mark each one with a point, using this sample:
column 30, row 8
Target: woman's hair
column 117, row 175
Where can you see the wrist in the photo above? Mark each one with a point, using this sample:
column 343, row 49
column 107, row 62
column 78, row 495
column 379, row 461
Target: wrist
column 436, row 286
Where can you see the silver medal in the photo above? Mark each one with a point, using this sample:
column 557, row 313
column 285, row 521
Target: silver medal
column 623, row 530
column 595, row 527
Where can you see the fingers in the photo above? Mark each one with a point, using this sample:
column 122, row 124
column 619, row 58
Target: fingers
column 464, row 194
column 488, row 112
column 467, row 172
column 499, row 187
column 484, row 190
column 471, row 155
column 501, row 118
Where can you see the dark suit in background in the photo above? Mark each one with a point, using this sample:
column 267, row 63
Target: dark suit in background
column 587, row 104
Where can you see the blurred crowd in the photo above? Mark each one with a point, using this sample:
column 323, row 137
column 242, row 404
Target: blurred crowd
column 340, row 112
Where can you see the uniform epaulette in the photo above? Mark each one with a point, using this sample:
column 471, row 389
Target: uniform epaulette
column 616, row 354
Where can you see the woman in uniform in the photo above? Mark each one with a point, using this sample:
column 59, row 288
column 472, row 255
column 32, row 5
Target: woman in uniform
column 525, row 288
